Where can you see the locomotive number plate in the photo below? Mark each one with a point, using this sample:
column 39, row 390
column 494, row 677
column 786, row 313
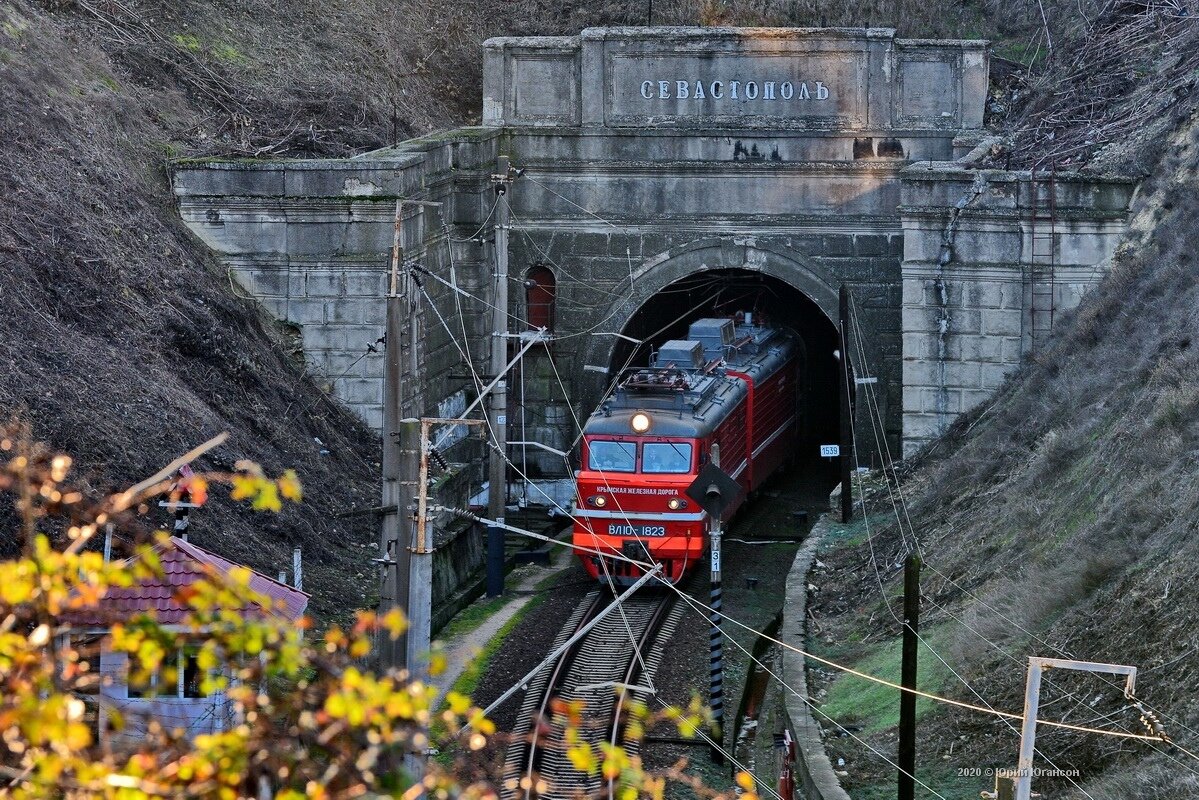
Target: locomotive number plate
column 636, row 530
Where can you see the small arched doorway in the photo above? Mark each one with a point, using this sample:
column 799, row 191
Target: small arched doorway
column 540, row 295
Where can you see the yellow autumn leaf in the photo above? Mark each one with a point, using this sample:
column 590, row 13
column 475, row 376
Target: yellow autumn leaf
column 745, row 781
column 395, row 622
column 459, row 703
column 244, row 487
column 289, row 486
column 335, row 705
column 582, row 758
column 360, row 648
column 481, row 724
column 268, row 498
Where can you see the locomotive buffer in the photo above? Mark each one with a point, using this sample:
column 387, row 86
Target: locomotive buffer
column 713, row 490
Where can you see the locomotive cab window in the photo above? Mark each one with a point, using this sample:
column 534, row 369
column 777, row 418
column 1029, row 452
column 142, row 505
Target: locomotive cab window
column 612, row 456
column 666, row 457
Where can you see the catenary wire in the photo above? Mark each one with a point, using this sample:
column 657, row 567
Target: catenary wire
column 876, row 423
column 907, row 517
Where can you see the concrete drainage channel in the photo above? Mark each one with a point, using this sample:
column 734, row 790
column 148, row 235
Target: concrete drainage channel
column 816, row 779
column 765, row 661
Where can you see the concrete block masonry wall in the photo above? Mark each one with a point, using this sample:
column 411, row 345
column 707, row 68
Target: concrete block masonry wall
column 311, row 241
column 967, row 323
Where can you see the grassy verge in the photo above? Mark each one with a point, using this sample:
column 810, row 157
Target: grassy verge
column 946, row 783
column 472, row 617
column 874, row 707
column 838, row 536
column 468, row 682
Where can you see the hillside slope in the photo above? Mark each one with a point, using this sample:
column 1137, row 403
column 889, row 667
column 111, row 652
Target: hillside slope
column 121, row 342
column 1061, row 519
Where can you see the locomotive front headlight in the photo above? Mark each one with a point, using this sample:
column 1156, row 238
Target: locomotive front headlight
column 599, row 501
column 640, row 422
column 675, row 503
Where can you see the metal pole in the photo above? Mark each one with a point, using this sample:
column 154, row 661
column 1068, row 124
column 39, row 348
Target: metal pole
column 907, row 700
column 406, row 647
column 400, row 456
column 1028, row 731
column 524, row 448
column 394, row 592
column 420, row 590
column 497, row 493
column 297, row 572
column 715, row 634
column 495, row 561
column 846, row 411
column 1032, row 692
column 397, row 250
column 108, row 529
column 420, row 585
column 415, row 401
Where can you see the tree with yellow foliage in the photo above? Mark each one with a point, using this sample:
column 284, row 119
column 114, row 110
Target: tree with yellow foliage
column 310, row 719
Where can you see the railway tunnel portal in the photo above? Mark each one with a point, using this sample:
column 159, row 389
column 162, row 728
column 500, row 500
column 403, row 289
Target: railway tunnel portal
column 696, row 283
column 656, row 162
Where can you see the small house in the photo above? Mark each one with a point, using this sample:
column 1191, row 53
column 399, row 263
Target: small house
column 182, row 704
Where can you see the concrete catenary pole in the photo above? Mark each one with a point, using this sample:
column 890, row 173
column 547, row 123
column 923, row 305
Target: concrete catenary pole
column 907, row 701
column 715, row 633
column 421, row 588
column 498, row 409
column 844, row 374
column 400, row 455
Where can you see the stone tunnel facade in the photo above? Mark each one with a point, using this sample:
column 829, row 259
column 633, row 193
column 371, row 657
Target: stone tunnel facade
column 817, row 157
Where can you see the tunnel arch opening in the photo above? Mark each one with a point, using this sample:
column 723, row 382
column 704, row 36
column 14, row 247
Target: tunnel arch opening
column 723, row 292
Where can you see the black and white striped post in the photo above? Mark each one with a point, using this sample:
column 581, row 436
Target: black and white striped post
column 713, row 491
column 716, row 640
column 183, row 504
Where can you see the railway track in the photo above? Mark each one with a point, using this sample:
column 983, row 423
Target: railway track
column 595, row 670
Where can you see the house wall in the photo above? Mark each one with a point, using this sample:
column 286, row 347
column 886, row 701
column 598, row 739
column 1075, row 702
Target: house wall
column 195, row 716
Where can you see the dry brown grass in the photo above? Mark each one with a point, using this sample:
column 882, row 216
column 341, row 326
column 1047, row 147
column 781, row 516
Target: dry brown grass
column 1070, row 509
column 121, row 342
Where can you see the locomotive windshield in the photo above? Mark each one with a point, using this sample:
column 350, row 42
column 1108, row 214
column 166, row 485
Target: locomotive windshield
column 666, row 457
column 612, row 456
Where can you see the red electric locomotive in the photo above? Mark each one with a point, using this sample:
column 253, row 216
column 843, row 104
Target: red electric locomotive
column 734, row 382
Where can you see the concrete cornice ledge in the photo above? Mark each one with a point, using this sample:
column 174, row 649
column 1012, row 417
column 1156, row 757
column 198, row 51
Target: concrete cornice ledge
column 816, row 771
column 692, row 32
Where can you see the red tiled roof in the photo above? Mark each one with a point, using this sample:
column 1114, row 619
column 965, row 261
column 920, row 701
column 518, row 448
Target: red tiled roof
column 182, row 565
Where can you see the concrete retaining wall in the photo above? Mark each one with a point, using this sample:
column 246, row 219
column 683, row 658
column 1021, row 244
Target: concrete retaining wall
column 311, row 240
column 1021, row 254
column 817, row 779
